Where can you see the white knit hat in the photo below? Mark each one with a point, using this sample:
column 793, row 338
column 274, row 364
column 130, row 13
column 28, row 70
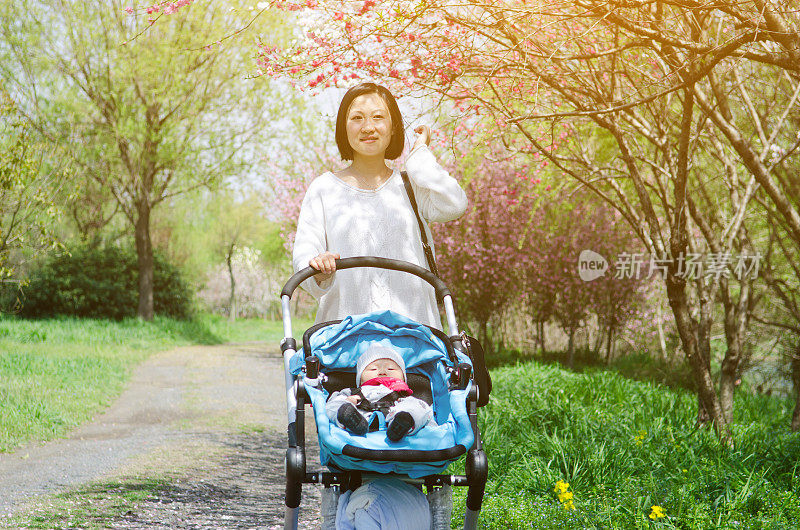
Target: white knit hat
column 375, row 352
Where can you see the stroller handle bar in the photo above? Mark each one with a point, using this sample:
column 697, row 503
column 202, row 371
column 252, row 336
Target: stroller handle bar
column 371, row 261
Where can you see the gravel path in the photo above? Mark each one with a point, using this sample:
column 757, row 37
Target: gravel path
column 207, row 422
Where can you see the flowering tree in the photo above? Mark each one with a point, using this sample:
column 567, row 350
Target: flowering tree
column 480, row 254
column 618, row 300
column 560, row 230
column 519, row 242
column 652, row 324
column 566, row 235
column 289, row 181
column 655, row 96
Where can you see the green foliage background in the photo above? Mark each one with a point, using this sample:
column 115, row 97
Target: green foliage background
column 102, row 282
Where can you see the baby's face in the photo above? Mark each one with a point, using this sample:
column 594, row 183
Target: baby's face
column 382, row 368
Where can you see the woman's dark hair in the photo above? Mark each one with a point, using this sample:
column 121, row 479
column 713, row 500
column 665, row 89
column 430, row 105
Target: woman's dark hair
column 397, row 141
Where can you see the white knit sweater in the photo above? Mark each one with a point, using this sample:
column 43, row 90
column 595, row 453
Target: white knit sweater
column 353, row 222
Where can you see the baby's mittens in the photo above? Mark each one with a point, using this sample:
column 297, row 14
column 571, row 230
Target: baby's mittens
column 352, row 420
column 401, row 424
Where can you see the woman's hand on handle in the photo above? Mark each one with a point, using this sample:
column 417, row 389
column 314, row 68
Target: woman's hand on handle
column 326, row 265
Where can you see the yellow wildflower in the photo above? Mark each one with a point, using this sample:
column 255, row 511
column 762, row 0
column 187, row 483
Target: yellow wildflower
column 564, row 495
column 640, row 437
column 657, row 512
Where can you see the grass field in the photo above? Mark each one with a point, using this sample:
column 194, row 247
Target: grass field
column 566, row 450
column 596, row 450
column 56, row 374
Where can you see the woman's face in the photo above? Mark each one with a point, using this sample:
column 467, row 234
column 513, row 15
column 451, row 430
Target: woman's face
column 369, row 125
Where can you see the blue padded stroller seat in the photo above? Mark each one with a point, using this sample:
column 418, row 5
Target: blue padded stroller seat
column 428, row 362
column 441, row 369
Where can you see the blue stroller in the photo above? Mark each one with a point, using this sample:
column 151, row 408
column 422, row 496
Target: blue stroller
column 439, row 371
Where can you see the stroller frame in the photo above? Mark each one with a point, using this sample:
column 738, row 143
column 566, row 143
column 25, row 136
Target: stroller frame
column 476, row 468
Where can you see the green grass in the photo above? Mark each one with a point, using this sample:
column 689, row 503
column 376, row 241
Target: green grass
column 641, row 366
column 56, row 374
column 626, row 446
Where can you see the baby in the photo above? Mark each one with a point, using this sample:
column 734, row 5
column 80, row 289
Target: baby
column 381, row 380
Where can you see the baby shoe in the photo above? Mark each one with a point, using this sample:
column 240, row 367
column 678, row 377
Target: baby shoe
column 401, row 424
column 351, row 419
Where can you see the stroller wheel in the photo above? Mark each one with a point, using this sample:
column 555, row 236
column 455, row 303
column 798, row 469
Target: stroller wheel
column 400, row 425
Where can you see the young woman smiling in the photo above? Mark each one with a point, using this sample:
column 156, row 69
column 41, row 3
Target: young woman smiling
column 364, row 210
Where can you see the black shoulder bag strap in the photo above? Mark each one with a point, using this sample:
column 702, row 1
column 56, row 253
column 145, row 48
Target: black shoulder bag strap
column 474, row 348
column 425, row 246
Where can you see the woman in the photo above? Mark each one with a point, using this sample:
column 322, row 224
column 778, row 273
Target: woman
column 364, row 210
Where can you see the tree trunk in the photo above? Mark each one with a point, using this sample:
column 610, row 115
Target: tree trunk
column 144, row 254
column 232, row 305
column 703, row 328
column 735, row 328
column 483, row 336
column 598, row 340
column 661, row 340
column 571, row 349
column 608, row 345
column 796, row 382
column 542, row 342
column 692, row 333
column 727, row 382
column 695, row 334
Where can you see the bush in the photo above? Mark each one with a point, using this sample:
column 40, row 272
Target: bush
column 102, row 283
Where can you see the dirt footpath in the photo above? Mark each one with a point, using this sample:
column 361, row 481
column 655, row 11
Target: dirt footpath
column 196, row 441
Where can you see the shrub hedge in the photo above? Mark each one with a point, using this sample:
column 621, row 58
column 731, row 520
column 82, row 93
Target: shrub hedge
column 102, row 282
